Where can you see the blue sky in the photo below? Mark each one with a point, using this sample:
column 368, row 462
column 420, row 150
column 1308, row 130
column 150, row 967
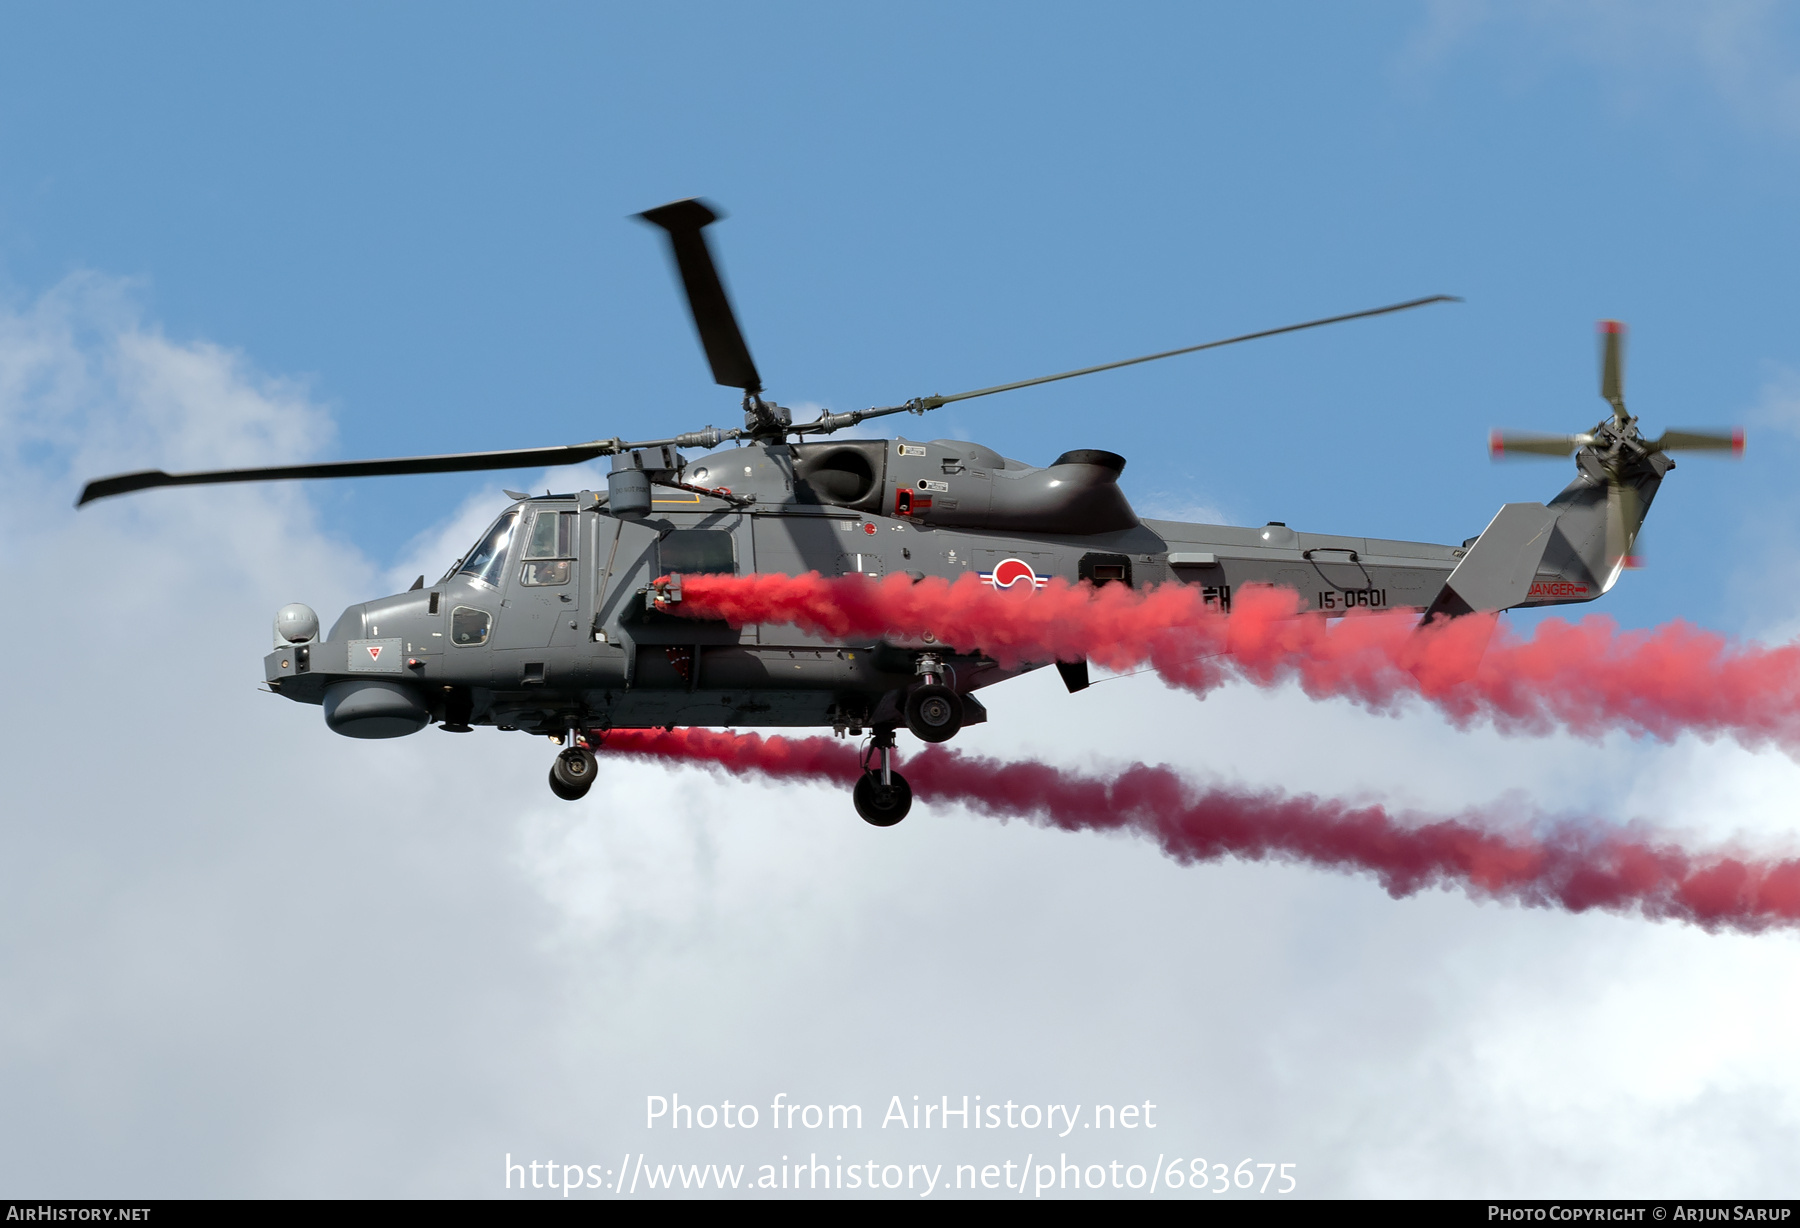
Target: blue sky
column 241, row 955
column 422, row 210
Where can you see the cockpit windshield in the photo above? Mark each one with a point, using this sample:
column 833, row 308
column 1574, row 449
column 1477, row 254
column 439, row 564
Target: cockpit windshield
column 487, row 561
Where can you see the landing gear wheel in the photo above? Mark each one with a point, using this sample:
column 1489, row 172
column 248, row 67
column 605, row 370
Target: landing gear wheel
column 879, row 804
column 565, row 792
column 934, row 713
column 573, row 772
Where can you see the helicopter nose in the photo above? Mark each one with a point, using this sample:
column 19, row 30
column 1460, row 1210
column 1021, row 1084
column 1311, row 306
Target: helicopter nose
column 351, row 624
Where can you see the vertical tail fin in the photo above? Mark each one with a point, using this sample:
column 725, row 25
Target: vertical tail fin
column 1597, row 523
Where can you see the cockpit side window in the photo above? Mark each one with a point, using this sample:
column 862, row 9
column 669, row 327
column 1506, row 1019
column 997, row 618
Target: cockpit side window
column 469, row 626
column 549, row 549
column 487, row 561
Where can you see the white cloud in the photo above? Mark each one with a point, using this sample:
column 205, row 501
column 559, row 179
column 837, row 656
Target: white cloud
column 1164, row 506
column 1778, row 404
column 1730, row 46
column 240, row 955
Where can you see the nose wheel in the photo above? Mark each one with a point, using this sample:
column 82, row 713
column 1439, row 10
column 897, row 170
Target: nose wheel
column 572, row 772
column 934, row 712
column 882, row 795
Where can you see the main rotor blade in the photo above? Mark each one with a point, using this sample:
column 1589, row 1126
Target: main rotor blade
column 933, row 402
column 520, row 458
column 1731, row 441
column 719, row 333
column 1506, row 443
column 1612, row 365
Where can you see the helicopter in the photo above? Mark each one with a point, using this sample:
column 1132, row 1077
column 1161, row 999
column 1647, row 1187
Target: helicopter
column 550, row 624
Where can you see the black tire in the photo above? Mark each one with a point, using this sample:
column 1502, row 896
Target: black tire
column 569, row 793
column 934, row 713
column 882, row 805
column 576, row 768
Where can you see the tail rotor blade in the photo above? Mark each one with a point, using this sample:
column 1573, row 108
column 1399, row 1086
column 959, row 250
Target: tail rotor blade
column 1618, row 544
column 1631, row 511
column 1624, row 517
column 1612, row 365
column 1504, row 444
column 1731, row 441
column 684, row 220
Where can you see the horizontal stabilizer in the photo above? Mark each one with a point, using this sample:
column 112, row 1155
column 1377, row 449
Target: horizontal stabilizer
column 1497, row 572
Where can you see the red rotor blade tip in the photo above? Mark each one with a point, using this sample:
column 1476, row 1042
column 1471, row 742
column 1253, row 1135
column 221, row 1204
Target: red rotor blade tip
column 1737, row 442
column 1496, row 445
column 1611, row 326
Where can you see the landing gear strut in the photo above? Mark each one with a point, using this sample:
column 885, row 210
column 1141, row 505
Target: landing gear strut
column 572, row 773
column 934, row 712
column 882, row 795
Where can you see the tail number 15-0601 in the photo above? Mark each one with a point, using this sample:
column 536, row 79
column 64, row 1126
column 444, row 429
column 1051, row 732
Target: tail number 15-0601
column 1351, row 598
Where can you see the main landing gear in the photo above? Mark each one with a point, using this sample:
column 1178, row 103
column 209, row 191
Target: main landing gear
column 572, row 772
column 882, row 795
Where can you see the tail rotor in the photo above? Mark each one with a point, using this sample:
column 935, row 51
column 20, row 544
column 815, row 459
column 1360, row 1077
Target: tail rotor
column 1617, row 453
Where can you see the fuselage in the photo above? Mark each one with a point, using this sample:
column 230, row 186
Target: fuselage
column 545, row 624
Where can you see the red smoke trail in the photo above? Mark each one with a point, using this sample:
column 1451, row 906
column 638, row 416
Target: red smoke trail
column 1587, row 677
column 1572, row 866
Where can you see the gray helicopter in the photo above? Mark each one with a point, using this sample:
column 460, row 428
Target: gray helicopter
column 550, row 624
